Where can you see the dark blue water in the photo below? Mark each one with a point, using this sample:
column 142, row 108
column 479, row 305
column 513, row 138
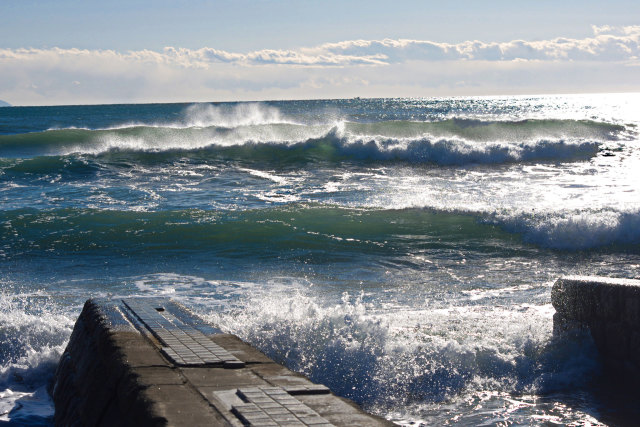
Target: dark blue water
column 399, row 250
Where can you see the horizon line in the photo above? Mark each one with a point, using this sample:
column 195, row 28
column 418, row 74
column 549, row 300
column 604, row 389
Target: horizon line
column 501, row 95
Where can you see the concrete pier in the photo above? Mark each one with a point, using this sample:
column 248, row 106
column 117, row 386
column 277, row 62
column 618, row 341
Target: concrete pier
column 610, row 309
column 143, row 361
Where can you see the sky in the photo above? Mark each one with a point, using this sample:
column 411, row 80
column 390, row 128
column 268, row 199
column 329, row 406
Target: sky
column 89, row 52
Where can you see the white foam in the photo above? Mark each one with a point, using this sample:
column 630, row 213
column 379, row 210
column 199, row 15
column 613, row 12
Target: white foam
column 194, row 291
column 26, row 408
column 575, row 229
column 265, row 175
column 33, row 335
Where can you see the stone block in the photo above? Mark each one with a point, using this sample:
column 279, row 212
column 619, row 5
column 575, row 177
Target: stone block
column 560, row 298
column 617, row 340
column 240, row 349
column 585, row 297
column 180, row 405
column 611, row 303
column 599, row 334
column 634, row 347
column 221, row 379
column 339, row 411
column 611, row 310
column 631, row 313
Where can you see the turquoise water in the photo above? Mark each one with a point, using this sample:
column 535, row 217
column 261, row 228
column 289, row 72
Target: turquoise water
column 400, row 251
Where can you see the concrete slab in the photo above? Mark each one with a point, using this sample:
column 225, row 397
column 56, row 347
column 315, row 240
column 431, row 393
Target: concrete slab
column 158, row 375
column 240, row 349
column 278, row 375
column 221, row 379
column 341, row 411
column 267, row 405
column 180, row 405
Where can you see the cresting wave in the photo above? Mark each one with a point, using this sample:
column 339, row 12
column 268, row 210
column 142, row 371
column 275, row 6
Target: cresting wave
column 449, row 142
column 335, row 149
column 573, row 230
column 322, row 229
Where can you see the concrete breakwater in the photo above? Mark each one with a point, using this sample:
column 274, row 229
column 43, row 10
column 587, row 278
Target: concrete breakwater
column 150, row 361
column 610, row 309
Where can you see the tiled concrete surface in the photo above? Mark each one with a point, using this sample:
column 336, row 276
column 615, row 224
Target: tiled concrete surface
column 274, row 406
column 183, row 344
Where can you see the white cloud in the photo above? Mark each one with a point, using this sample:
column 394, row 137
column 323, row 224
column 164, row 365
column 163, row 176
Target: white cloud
column 608, row 43
column 386, row 67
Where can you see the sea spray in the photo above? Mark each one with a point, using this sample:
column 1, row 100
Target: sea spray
column 387, row 359
column 32, row 337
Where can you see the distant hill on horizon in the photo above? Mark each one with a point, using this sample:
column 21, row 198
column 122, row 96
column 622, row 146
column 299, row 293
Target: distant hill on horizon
column 4, row 103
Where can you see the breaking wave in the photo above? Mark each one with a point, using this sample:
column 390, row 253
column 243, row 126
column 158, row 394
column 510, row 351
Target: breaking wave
column 253, row 131
column 574, row 230
column 290, row 144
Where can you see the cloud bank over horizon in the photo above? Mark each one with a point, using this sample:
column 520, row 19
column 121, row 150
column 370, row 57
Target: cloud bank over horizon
column 608, row 60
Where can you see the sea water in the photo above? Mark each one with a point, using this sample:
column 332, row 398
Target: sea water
column 400, row 251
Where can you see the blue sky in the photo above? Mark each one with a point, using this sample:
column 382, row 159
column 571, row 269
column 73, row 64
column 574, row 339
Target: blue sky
column 62, row 52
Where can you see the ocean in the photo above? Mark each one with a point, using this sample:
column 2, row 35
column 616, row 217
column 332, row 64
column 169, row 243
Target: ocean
column 400, row 251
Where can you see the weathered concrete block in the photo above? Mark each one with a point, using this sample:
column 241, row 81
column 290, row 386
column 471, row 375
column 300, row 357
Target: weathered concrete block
column 575, row 300
column 559, row 298
column 599, row 334
column 616, row 341
column 631, row 304
column 610, row 303
column 634, row 347
column 610, row 308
